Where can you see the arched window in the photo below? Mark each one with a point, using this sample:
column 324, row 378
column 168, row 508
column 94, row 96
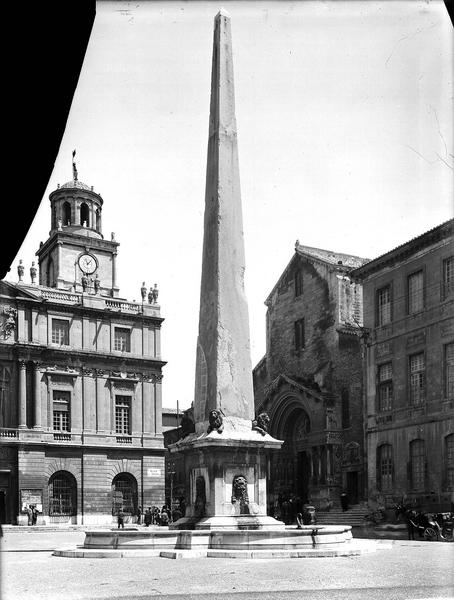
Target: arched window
column 124, row 494
column 98, row 220
column 417, row 464
column 449, row 461
column 50, row 281
column 84, row 214
column 62, row 494
column 66, row 213
column 385, row 467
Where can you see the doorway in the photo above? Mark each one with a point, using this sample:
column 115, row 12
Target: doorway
column 352, row 486
column 302, row 477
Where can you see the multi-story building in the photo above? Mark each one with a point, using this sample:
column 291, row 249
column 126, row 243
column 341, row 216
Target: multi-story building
column 80, row 378
column 409, row 385
column 310, row 380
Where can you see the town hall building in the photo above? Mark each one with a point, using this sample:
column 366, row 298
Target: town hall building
column 80, row 378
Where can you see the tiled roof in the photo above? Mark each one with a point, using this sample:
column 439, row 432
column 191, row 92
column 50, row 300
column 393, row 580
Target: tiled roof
column 334, row 258
column 440, row 232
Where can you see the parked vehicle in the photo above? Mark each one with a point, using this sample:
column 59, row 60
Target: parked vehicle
column 424, row 523
column 445, row 523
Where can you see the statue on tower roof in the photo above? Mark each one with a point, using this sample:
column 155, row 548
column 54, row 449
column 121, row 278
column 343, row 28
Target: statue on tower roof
column 74, row 166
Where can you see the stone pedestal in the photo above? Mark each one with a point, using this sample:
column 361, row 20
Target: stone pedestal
column 226, row 478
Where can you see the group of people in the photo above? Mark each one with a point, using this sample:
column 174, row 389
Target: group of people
column 153, row 515
column 32, row 513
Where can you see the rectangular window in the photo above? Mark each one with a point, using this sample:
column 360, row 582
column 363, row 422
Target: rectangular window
column 298, row 283
column 385, row 387
column 299, row 334
column 449, row 371
column 415, row 285
column 418, row 464
column 60, row 332
column 448, row 277
column 122, row 415
column 122, row 339
column 417, row 369
column 384, row 305
column 61, row 410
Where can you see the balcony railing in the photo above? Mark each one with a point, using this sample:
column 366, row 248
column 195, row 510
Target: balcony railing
column 60, row 295
column 122, row 306
column 8, row 433
column 88, row 438
column 62, row 437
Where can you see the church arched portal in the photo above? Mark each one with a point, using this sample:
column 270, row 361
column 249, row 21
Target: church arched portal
column 291, row 467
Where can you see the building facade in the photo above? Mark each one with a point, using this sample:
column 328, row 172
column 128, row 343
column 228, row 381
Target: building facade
column 409, row 373
column 310, row 380
column 80, row 378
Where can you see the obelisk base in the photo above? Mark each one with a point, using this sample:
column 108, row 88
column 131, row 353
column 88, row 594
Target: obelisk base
column 226, row 479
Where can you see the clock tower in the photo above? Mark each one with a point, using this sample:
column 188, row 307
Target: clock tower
column 76, row 256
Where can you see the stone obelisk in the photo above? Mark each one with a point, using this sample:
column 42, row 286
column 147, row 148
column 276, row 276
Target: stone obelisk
column 225, row 457
column 223, row 366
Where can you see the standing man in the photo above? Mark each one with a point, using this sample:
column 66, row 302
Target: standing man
column 121, row 519
column 139, row 515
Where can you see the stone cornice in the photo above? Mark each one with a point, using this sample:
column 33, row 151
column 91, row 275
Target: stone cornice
column 26, row 351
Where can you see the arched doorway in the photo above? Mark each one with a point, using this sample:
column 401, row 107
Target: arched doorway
column 124, row 494
column 291, row 469
column 62, row 489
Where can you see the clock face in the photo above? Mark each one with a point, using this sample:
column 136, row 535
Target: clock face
column 87, row 263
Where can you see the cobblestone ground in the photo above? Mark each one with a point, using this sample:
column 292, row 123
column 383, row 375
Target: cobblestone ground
column 408, row 570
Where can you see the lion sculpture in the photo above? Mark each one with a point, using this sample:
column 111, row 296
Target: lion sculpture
column 262, row 423
column 215, row 420
column 240, row 498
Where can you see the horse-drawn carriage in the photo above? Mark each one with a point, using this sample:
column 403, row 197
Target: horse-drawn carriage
column 431, row 526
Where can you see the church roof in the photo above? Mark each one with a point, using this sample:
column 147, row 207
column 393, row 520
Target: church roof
column 334, row 258
column 75, row 183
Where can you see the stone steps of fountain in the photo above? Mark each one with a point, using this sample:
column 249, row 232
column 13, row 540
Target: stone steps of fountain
column 349, row 548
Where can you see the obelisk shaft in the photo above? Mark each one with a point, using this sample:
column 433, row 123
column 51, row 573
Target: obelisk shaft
column 223, row 366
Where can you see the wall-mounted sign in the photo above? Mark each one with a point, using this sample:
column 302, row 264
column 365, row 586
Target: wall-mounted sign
column 28, row 497
column 154, row 472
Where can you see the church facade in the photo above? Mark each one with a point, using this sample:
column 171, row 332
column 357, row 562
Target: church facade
column 310, row 380
column 80, row 378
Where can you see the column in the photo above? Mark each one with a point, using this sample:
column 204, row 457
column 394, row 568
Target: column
column 148, row 419
column 158, row 405
column 22, row 394
column 114, row 271
column 101, row 410
column 35, row 325
column 37, row 395
column 22, row 334
column 137, row 410
column 157, row 342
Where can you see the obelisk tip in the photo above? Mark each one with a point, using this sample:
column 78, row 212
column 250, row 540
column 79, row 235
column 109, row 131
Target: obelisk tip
column 223, row 13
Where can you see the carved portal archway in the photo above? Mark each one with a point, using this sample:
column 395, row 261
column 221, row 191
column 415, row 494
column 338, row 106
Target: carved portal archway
column 291, row 466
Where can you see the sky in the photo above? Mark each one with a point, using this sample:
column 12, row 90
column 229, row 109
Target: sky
column 345, row 135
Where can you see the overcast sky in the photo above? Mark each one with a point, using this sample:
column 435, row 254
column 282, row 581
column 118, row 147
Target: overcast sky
column 345, row 135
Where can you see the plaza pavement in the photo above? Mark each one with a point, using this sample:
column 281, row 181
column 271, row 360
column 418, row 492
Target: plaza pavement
column 409, row 570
